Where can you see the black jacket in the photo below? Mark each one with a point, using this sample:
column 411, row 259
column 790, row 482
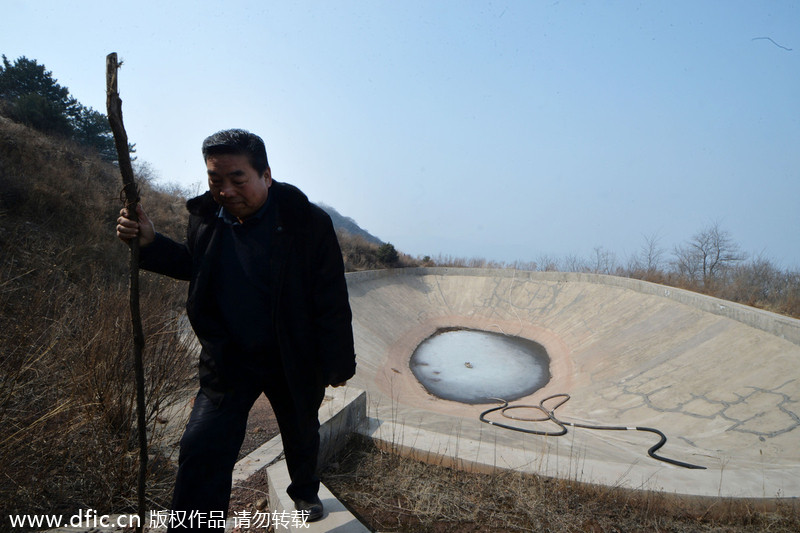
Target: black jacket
column 310, row 306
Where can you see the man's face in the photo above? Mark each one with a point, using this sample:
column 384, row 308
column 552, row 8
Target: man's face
column 236, row 185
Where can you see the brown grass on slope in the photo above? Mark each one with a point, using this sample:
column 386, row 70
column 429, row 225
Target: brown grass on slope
column 66, row 377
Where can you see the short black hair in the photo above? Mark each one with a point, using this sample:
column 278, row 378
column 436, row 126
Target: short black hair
column 238, row 142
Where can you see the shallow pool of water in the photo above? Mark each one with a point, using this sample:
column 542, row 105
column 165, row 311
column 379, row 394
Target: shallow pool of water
column 471, row 366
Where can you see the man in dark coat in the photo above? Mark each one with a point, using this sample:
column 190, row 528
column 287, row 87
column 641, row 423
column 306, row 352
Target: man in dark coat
column 268, row 302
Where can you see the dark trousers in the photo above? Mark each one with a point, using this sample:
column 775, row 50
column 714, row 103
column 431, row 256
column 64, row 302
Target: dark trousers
column 215, row 432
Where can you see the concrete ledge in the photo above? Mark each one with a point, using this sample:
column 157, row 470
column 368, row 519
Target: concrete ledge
column 336, row 518
column 344, row 410
column 257, row 459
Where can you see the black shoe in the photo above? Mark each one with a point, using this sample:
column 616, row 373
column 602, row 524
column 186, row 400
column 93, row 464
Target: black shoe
column 312, row 508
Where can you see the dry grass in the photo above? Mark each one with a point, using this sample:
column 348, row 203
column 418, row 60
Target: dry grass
column 66, row 375
column 393, row 493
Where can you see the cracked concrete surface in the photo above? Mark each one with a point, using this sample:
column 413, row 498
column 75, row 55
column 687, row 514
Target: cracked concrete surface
column 721, row 380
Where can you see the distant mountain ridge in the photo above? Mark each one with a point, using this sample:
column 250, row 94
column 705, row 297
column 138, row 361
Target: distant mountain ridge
column 341, row 222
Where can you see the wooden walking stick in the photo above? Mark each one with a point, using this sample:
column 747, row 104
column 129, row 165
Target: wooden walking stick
column 114, row 106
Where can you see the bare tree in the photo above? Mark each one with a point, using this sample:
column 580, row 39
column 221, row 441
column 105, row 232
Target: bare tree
column 546, row 263
column 603, row 261
column 707, row 255
column 524, row 265
column 573, row 263
column 650, row 257
column 687, row 263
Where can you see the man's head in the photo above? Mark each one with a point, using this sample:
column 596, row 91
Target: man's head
column 238, row 142
column 239, row 177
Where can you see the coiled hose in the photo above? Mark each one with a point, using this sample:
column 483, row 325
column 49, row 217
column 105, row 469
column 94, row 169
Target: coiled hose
column 550, row 416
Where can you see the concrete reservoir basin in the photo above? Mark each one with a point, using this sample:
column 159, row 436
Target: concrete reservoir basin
column 720, row 380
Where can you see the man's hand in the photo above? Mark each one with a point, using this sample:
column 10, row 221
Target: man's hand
column 127, row 229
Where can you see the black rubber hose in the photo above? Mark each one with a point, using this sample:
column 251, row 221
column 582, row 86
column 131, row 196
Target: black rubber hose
column 514, row 428
column 550, row 416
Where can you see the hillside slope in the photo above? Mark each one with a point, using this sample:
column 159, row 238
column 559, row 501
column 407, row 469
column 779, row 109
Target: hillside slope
column 66, row 382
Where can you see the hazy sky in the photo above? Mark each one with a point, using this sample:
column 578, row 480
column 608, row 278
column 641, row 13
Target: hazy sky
column 506, row 130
